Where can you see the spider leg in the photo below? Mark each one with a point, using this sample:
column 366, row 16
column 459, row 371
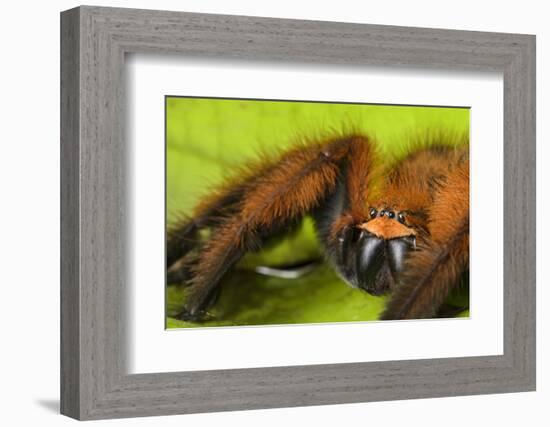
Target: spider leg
column 272, row 202
column 435, row 269
column 447, row 310
column 183, row 237
column 337, row 219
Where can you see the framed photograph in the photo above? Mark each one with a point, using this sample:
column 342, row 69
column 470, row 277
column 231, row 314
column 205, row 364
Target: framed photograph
column 263, row 213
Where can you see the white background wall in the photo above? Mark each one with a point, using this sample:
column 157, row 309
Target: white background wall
column 29, row 224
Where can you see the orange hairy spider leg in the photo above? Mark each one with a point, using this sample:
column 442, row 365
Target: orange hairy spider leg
column 183, row 236
column 353, row 191
column 338, row 219
column 436, row 269
column 294, row 186
column 213, row 210
column 360, row 174
column 433, row 273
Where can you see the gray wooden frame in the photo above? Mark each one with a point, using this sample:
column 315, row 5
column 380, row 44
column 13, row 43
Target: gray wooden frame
column 94, row 41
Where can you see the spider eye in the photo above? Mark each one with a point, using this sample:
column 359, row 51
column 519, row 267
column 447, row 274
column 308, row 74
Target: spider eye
column 373, row 212
column 401, row 217
column 382, row 212
column 391, row 214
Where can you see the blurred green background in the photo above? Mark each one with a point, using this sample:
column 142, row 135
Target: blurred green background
column 207, row 137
